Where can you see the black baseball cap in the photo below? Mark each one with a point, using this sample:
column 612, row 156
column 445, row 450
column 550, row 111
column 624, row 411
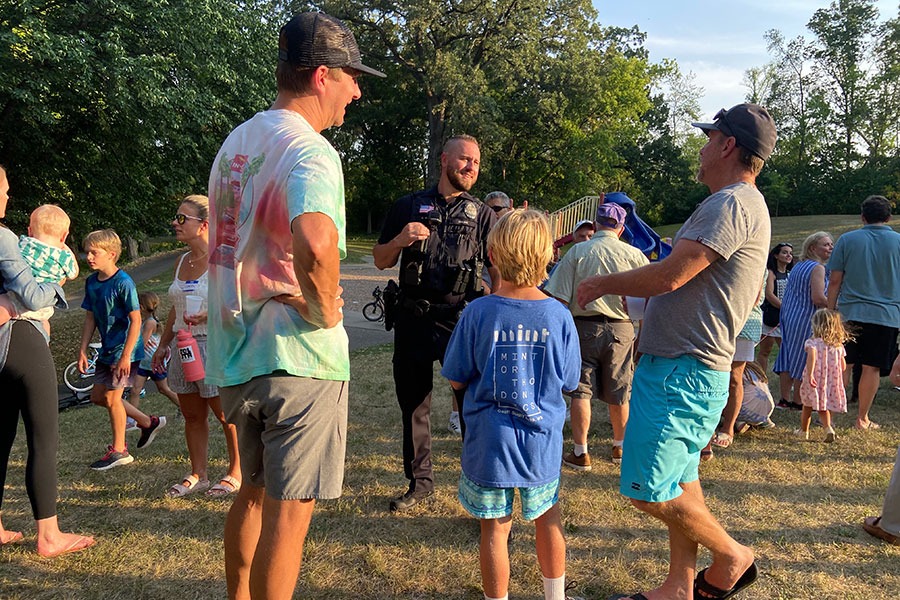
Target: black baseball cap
column 312, row 39
column 750, row 124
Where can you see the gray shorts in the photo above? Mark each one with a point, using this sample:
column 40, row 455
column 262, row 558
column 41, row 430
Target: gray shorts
column 607, row 361
column 105, row 375
column 178, row 383
column 292, row 434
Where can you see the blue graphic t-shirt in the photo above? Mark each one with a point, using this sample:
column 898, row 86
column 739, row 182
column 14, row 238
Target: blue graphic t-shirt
column 111, row 301
column 517, row 357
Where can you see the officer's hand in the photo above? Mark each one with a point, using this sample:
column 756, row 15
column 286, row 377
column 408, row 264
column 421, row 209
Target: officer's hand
column 412, row 233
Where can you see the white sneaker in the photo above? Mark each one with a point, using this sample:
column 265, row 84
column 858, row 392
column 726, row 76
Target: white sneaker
column 131, row 424
column 453, row 425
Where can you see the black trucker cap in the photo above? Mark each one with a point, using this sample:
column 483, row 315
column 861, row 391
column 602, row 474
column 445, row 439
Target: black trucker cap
column 312, row 39
column 750, row 124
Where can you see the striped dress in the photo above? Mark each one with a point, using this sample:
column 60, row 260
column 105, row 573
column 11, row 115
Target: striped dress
column 796, row 310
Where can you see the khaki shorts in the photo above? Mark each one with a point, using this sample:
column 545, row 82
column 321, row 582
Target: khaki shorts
column 292, row 434
column 607, row 361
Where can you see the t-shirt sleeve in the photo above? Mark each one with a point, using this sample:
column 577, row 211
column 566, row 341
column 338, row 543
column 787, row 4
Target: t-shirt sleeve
column 459, row 359
column 396, row 220
column 719, row 224
column 809, row 344
column 128, row 295
column 572, row 363
column 562, row 279
column 314, row 186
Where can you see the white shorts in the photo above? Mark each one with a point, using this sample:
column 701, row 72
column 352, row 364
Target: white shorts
column 744, row 350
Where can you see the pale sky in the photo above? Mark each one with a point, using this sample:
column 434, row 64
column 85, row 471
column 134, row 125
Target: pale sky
column 717, row 41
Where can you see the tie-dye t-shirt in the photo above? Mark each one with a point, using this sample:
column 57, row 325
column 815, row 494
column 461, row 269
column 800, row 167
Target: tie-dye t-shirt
column 270, row 170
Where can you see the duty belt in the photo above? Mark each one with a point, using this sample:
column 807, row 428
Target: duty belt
column 601, row 319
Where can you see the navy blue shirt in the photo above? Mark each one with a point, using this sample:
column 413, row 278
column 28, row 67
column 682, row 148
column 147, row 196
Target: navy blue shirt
column 111, row 301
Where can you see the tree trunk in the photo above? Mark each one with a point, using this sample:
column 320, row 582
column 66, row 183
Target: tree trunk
column 132, row 248
column 436, row 123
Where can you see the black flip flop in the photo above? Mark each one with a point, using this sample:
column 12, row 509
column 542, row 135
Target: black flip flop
column 712, row 592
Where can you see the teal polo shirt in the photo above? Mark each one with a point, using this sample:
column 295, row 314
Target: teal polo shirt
column 870, row 261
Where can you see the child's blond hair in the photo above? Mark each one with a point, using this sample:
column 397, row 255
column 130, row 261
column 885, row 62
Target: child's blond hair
column 105, row 239
column 49, row 219
column 521, row 247
column 149, row 301
column 829, row 326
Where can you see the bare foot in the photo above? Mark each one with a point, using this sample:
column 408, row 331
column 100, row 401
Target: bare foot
column 9, row 537
column 63, row 543
column 724, row 572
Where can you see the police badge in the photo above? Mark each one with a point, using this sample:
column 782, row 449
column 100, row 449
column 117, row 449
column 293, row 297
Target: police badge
column 470, row 210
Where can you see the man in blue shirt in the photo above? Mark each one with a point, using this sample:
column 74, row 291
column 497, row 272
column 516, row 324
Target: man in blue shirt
column 865, row 287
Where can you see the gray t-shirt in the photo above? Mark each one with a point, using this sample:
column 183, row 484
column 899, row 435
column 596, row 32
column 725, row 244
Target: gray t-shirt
column 703, row 317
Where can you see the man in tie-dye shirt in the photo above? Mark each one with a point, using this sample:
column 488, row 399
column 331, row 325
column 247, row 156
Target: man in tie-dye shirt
column 277, row 347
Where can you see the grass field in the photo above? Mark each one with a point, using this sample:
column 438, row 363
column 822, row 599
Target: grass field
column 799, row 504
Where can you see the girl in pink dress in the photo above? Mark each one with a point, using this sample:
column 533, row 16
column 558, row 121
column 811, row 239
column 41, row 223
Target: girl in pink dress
column 822, row 387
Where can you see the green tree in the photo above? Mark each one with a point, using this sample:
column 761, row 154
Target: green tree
column 114, row 109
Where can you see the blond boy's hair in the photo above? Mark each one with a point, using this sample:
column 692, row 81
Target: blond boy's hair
column 521, row 247
column 105, row 239
column 50, row 219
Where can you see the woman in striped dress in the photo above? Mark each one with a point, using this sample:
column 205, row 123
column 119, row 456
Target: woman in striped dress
column 804, row 293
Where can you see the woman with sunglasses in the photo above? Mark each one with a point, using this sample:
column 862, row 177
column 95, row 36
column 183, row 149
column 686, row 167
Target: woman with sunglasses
column 195, row 397
column 781, row 259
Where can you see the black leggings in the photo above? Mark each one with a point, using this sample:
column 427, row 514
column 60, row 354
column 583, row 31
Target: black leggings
column 28, row 386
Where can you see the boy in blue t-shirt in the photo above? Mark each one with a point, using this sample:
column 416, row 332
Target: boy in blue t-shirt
column 515, row 352
column 111, row 302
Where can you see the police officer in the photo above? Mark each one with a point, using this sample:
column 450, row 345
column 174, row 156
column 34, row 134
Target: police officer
column 440, row 237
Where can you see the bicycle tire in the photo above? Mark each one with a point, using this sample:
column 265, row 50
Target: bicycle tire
column 75, row 381
column 373, row 312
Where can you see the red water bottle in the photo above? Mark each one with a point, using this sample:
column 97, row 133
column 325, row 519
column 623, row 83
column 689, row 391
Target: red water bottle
column 190, row 356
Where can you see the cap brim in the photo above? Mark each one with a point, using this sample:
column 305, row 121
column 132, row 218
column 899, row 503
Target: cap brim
column 368, row 70
column 706, row 126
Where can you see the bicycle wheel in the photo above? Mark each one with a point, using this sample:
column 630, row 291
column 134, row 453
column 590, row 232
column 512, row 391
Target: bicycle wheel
column 373, row 312
column 75, row 381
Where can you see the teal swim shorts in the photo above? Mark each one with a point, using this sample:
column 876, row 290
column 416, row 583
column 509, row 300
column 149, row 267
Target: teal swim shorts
column 675, row 408
column 493, row 503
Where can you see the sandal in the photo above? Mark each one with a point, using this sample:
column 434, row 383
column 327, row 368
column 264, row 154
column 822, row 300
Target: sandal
column 189, row 485
column 79, row 544
column 712, row 592
column 872, row 527
column 722, row 440
column 16, row 537
column 227, row 485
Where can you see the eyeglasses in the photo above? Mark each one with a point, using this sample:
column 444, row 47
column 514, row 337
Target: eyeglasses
column 721, row 116
column 181, row 218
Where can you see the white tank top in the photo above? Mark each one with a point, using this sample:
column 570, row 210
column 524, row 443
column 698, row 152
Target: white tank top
column 179, row 289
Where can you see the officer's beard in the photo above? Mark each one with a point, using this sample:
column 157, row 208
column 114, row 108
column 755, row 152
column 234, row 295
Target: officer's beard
column 460, row 182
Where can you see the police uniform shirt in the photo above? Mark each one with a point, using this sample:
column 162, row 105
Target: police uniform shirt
column 460, row 236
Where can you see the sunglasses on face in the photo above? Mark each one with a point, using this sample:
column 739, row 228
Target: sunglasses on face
column 181, row 218
column 497, row 208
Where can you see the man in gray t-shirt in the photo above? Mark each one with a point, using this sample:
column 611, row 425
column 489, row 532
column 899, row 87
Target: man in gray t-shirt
column 700, row 297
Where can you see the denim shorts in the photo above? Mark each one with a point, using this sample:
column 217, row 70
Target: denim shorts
column 675, row 407
column 493, row 503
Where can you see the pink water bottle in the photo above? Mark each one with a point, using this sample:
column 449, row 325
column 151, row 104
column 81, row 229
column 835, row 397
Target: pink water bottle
column 190, row 356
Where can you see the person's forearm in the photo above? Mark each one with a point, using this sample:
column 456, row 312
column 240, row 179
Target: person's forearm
column 386, row 255
column 87, row 331
column 134, row 332
column 834, row 288
column 317, row 265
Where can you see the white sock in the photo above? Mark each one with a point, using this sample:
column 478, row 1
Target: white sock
column 505, row 597
column 555, row 589
column 618, row 443
column 579, row 449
